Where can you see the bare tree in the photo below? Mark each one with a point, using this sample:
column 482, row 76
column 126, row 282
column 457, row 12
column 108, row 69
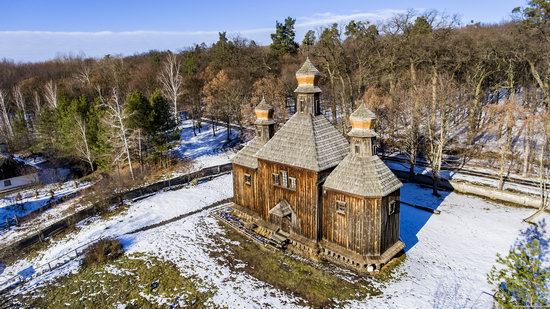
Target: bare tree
column 20, row 103
column 116, row 119
column 82, row 145
column 443, row 99
column 4, row 110
column 37, row 102
column 171, row 81
column 50, row 93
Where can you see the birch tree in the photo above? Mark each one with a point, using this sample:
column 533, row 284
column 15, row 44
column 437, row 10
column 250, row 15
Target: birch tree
column 20, row 103
column 50, row 94
column 171, row 80
column 4, row 110
column 82, row 145
column 116, row 119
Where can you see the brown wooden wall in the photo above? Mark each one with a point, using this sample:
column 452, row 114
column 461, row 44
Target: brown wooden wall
column 303, row 200
column 358, row 229
column 244, row 194
column 390, row 224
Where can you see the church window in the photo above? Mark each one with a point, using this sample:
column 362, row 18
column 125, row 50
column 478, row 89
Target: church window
column 341, row 207
column 284, row 179
column 247, row 179
column 275, row 179
column 292, row 183
column 356, row 149
column 392, row 207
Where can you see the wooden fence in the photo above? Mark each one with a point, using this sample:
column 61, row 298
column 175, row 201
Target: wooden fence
column 131, row 195
column 202, row 175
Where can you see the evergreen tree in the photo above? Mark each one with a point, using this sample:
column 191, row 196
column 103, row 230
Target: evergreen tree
column 47, row 130
column 523, row 278
column 161, row 119
column 309, row 38
column 81, row 132
column 283, row 38
column 139, row 111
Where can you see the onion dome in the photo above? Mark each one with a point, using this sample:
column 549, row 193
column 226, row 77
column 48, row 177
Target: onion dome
column 363, row 121
column 308, row 78
column 264, row 113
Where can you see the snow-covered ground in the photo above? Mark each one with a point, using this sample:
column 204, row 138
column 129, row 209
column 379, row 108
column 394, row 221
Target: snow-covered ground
column 448, row 255
column 457, row 175
column 205, row 149
column 146, row 212
column 32, row 199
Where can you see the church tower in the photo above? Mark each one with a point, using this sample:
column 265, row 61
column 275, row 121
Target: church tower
column 308, row 91
column 265, row 125
column 362, row 134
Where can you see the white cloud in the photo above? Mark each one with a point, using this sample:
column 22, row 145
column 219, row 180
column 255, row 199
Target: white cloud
column 41, row 45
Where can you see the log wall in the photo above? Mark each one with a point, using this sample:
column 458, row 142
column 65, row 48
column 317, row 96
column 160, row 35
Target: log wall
column 358, row 228
column 303, row 200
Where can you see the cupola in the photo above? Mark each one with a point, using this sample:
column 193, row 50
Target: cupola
column 362, row 134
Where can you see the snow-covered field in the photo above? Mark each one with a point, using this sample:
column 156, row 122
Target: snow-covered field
column 448, row 255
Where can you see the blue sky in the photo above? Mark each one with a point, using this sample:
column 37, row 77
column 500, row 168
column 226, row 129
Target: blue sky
column 34, row 30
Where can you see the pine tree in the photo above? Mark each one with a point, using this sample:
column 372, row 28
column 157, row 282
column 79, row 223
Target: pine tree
column 161, row 118
column 283, row 38
column 523, row 278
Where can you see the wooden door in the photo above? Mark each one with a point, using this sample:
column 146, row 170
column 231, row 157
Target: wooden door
column 285, row 224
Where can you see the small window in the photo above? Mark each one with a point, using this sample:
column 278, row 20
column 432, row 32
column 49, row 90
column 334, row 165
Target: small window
column 292, row 183
column 284, row 179
column 259, row 133
column 341, row 207
column 7, row 183
column 247, row 179
column 275, row 179
column 356, row 149
column 392, row 207
column 302, row 105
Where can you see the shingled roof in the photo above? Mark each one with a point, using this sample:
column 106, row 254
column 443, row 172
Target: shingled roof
column 247, row 155
column 306, row 141
column 363, row 176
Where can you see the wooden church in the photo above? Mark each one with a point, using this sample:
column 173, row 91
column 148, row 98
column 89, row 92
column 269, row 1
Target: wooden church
column 330, row 198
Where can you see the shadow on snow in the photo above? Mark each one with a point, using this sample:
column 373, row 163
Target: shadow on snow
column 414, row 219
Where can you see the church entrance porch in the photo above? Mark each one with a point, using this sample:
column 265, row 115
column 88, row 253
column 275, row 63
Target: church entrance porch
column 281, row 216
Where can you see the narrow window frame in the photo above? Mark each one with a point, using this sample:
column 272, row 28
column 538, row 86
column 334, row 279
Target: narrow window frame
column 292, row 183
column 248, row 179
column 392, row 207
column 284, row 179
column 275, row 179
column 341, row 207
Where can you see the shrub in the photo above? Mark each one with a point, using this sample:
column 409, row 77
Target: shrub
column 103, row 251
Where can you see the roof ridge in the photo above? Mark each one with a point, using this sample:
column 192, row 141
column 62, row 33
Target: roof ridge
column 312, row 119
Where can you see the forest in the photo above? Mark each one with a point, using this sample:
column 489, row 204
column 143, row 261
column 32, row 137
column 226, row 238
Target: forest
column 439, row 88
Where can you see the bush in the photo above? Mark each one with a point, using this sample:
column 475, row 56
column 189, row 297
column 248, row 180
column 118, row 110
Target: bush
column 103, row 251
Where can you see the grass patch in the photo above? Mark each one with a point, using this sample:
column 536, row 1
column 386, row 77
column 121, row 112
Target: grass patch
column 137, row 281
column 319, row 288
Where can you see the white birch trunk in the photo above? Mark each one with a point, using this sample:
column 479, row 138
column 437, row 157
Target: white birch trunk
column 4, row 111
column 171, row 81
